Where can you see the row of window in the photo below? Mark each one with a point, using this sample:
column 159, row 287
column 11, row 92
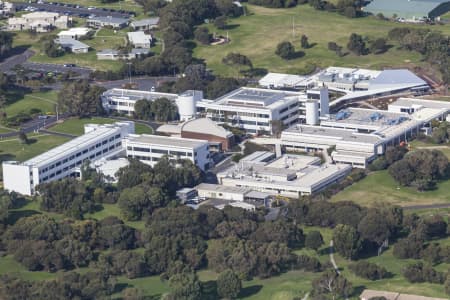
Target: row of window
column 84, row 151
column 79, row 162
column 159, row 151
column 242, row 114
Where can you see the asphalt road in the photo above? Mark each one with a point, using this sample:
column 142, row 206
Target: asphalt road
column 35, row 125
column 83, row 11
column 17, row 59
column 58, row 68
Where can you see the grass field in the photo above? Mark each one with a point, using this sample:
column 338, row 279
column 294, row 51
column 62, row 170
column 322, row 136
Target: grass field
column 257, row 34
column 13, row 149
column 105, row 39
column 18, row 102
column 75, row 126
column 380, row 187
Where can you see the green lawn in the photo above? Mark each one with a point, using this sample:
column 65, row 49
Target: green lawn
column 17, row 102
column 114, row 210
column 257, row 34
column 106, row 39
column 11, row 267
column 75, row 126
column 13, row 149
column 380, row 187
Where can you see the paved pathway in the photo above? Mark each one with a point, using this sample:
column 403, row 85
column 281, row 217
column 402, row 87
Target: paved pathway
column 333, row 262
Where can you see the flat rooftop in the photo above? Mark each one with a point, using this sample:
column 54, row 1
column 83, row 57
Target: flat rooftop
column 408, row 102
column 166, row 141
column 137, row 94
column 334, row 133
column 221, row 188
column 72, row 146
column 294, row 162
column 315, row 175
column 257, row 98
column 139, row 37
column 368, row 117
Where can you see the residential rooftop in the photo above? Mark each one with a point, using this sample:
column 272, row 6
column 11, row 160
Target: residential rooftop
column 146, row 22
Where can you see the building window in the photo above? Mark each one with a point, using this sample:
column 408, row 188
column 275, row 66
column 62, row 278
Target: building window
column 159, row 151
column 139, row 149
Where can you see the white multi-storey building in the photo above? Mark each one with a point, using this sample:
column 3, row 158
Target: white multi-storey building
column 123, row 100
column 99, row 141
column 254, row 110
column 150, row 148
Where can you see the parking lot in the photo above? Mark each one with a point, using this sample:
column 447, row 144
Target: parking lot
column 74, row 9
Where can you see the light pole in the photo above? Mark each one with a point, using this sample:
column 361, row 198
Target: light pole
column 129, row 71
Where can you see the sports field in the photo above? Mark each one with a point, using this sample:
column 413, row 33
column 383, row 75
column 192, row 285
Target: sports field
column 257, row 34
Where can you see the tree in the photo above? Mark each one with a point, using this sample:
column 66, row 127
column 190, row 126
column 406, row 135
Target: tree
column 81, row 99
column 177, row 58
column 185, row 286
column 285, row 50
column 378, row 46
column 332, row 283
column 6, row 40
column 202, row 35
column 346, row 241
column 304, row 42
column 152, row 5
column 238, row 60
column 143, row 109
column 356, row 44
column 379, row 224
column 49, row 47
column 368, row 270
column 68, row 196
column 228, row 284
column 164, row 110
column 421, row 168
column 23, row 137
column 314, row 240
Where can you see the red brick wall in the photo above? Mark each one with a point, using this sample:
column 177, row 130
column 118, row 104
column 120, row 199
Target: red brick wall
column 226, row 143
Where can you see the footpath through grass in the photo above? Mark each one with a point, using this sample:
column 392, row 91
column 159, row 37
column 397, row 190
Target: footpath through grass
column 257, row 35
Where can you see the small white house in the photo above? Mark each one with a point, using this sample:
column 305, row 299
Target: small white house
column 74, row 33
column 73, row 45
column 139, row 39
column 145, row 24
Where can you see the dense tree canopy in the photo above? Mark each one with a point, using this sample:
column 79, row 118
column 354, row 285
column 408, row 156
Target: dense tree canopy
column 80, row 99
column 421, row 168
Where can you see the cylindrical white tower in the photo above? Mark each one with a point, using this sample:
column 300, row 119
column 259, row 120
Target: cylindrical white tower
column 186, row 103
column 312, row 112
